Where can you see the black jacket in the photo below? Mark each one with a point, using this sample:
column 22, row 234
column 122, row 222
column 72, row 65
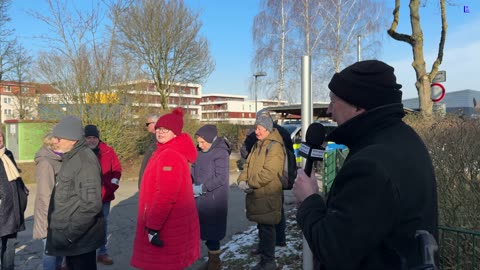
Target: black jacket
column 13, row 202
column 149, row 149
column 75, row 217
column 385, row 191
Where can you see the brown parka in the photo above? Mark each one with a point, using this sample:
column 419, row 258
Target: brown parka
column 262, row 172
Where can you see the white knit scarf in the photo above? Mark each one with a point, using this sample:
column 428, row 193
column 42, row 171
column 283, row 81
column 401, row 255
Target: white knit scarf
column 10, row 168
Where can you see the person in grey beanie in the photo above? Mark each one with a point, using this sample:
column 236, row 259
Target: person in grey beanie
column 75, row 229
column 260, row 180
column 385, row 191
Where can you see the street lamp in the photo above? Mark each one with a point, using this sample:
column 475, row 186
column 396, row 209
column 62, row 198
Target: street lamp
column 256, row 75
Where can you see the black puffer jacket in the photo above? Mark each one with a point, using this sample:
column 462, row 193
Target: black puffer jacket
column 75, row 218
column 385, row 191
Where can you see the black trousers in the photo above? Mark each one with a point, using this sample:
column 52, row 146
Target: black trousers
column 83, row 261
column 266, row 245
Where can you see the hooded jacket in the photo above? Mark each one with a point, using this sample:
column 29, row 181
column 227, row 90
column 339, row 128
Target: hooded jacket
column 166, row 204
column 262, row 172
column 383, row 194
column 212, row 171
column 111, row 169
column 47, row 165
column 75, row 217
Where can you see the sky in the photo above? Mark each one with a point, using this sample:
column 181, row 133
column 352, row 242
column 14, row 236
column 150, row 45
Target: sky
column 228, row 27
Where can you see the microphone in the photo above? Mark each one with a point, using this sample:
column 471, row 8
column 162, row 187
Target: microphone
column 312, row 149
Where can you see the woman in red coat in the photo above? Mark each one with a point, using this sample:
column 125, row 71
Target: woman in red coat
column 168, row 231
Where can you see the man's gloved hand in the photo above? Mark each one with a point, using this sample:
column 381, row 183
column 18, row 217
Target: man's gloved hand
column 197, row 190
column 154, row 238
column 245, row 187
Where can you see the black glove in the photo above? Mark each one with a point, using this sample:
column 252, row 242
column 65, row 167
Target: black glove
column 154, row 238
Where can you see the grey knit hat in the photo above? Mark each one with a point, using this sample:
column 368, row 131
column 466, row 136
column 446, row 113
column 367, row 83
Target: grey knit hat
column 70, row 128
column 265, row 121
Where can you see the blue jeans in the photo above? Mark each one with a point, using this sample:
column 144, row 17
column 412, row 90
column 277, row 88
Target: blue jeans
column 106, row 211
column 7, row 255
column 50, row 262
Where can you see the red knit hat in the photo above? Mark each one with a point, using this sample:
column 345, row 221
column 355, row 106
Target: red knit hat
column 172, row 121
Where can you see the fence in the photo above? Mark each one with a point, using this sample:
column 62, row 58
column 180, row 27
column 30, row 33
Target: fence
column 459, row 249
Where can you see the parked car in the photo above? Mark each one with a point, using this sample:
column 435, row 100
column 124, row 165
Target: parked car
column 295, row 130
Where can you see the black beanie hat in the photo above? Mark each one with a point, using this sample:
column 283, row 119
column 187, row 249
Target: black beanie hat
column 91, row 130
column 367, row 84
column 207, row 132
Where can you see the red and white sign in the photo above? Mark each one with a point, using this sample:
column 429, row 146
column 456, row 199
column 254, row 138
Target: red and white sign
column 437, row 92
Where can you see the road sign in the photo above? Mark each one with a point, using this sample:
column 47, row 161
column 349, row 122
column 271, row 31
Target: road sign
column 437, row 92
column 440, row 77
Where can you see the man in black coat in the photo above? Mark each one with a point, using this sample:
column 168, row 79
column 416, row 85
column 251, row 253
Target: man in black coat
column 249, row 142
column 386, row 189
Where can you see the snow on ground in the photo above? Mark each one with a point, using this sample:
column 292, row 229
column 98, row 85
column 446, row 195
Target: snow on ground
column 236, row 253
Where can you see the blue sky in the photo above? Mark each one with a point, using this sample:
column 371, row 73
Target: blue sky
column 228, row 24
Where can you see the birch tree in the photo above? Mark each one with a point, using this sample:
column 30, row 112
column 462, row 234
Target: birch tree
column 272, row 29
column 415, row 40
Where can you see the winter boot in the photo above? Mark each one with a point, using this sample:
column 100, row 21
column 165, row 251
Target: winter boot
column 214, row 262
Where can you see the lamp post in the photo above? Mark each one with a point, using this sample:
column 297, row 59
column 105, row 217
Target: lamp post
column 256, row 75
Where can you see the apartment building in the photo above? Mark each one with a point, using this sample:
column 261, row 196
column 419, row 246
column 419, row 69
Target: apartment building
column 235, row 109
column 18, row 100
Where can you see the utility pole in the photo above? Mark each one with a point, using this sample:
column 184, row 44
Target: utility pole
column 256, row 75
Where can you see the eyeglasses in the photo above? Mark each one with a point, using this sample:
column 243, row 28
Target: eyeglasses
column 148, row 123
column 162, row 130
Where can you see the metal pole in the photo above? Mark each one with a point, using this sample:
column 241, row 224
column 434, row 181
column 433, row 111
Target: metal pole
column 359, row 49
column 255, row 93
column 258, row 74
column 307, row 116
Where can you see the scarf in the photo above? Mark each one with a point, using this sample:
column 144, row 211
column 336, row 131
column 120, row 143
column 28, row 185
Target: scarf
column 10, row 168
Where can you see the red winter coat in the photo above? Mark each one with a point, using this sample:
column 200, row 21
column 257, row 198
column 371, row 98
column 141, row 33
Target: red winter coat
column 166, row 204
column 111, row 168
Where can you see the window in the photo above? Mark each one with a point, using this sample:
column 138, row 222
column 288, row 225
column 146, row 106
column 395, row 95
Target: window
column 8, row 88
column 7, row 111
column 7, row 100
column 24, row 90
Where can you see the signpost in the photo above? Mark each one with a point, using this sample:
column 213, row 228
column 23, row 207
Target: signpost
column 437, row 90
column 440, row 77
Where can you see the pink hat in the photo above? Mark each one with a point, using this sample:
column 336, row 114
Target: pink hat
column 172, row 121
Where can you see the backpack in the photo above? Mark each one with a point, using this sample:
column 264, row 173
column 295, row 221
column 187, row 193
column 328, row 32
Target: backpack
column 289, row 167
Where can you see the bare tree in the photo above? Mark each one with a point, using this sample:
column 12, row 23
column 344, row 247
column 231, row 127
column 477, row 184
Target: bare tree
column 272, row 29
column 326, row 30
column 345, row 20
column 7, row 43
column 83, row 66
column 24, row 101
column 165, row 37
column 415, row 40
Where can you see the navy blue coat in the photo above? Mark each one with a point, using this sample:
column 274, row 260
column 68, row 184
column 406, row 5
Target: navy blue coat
column 212, row 170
